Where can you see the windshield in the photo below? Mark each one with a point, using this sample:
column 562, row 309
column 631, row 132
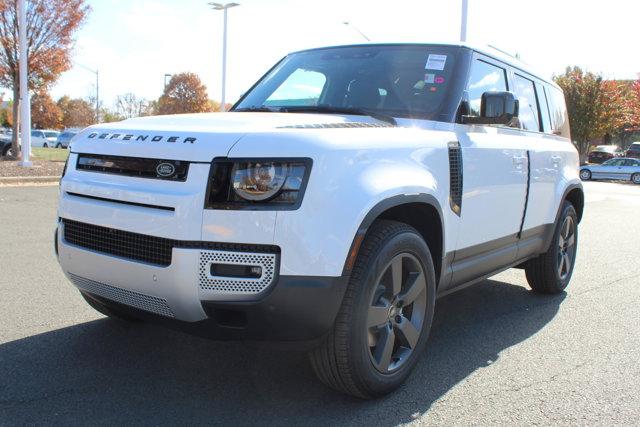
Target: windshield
column 51, row 134
column 606, row 148
column 397, row 80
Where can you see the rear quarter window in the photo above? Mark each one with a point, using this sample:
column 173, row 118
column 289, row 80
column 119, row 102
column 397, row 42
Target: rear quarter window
column 558, row 111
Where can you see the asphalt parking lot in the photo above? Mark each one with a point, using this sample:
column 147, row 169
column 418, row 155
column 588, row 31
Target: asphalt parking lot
column 498, row 354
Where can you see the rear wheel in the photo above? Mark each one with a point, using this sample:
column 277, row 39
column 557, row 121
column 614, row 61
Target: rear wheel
column 385, row 317
column 45, row 145
column 58, row 145
column 635, row 178
column 551, row 272
column 585, row 174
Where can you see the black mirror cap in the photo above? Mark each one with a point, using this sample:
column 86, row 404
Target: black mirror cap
column 499, row 104
column 496, row 108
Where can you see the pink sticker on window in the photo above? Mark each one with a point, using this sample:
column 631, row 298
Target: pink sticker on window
column 439, row 80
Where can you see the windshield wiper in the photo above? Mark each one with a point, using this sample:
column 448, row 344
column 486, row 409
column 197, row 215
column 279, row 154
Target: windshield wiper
column 260, row 109
column 340, row 110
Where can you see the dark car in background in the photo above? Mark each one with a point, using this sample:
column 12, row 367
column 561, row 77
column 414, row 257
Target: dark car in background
column 633, row 150
column 602, row 153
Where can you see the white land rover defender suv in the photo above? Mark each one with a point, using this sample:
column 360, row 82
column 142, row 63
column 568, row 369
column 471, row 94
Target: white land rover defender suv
column 346, row 191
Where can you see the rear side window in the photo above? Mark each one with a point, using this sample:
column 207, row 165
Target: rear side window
column 544, row 108
column 484, row 77
column 631, row 162
column 558, row 112
column 526, row 93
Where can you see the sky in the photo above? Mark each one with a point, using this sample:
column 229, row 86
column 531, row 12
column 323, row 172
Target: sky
column 134, row 43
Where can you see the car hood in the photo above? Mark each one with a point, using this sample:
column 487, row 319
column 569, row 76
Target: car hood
column 199, row 137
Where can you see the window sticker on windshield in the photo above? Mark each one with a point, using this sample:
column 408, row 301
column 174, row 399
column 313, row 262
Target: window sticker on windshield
column 435, row 62
column 439, row 80
column 429, row 78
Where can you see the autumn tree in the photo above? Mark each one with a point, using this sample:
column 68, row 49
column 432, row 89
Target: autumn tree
column 51, row 25
column 45, row 113
column 76, row 112
column 6, row 114
column 595, row 106
column 129, row 105
column 185, row 93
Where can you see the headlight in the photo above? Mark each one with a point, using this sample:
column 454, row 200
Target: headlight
column 257, row 183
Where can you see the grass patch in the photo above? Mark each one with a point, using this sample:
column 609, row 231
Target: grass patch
column 51, row 154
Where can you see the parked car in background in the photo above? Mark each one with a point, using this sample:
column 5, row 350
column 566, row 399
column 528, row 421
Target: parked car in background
column 52, row 137
column 39, row 139
column 633, row 150
column 5, row 146
column 65, row 138
column 602, row 153
column 621, row 168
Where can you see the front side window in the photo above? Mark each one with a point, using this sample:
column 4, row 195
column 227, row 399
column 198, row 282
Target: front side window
column 484, row 77
column 631, row 162
column 526, row 94
column 613, row 162
column 397, row 80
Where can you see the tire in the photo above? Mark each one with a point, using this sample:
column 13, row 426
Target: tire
column 353, row 358
column 109, row 311
column 58, row 145
column 585, row 174
column 8, row 151
column 551, row 271
column 45, row 145
column 635, row 178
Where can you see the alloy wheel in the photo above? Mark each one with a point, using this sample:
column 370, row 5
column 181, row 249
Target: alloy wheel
column 396, row 313
column 566, row 247
column 636, row 178
column 585, row 174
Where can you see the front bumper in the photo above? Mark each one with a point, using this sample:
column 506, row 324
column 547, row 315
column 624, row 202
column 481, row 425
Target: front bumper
column 292, row 308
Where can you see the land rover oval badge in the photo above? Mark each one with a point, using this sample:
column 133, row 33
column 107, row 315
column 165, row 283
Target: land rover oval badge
column 165, row 170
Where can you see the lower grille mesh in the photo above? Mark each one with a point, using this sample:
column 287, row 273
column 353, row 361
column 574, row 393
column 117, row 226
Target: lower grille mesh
column 139, row 247
column 123, row 296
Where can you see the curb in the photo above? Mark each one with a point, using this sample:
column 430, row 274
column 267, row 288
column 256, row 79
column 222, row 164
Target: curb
column 28, row 179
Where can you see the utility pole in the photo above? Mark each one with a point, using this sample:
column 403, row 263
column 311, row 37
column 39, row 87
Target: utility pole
column 463, row 21
column 25, row 106
column 224, row 8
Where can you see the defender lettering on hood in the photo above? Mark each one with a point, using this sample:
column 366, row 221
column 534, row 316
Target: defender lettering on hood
column 132, row 137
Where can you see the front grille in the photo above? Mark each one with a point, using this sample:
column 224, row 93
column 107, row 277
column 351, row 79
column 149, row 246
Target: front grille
column 172, row 170
column 123, row 296
column 141, row 247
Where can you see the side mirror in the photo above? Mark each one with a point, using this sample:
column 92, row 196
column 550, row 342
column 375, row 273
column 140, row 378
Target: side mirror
column 496, row 108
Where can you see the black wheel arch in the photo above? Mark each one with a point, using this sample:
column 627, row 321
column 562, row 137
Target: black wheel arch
column 421, row 211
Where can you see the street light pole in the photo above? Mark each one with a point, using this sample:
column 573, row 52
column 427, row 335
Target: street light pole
column 224, row 8
column 25, row 106
column 348, row 24
column 463, row 21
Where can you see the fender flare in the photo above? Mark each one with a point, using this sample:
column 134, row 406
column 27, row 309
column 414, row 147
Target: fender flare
column 377, row 210
column 551, row 230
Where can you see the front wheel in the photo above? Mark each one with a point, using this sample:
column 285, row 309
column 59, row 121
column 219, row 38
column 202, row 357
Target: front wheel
column 551, row 271
column 45, row 145
column 585, row 174
column 386, row 314
column 635, row 178
column 58, row 145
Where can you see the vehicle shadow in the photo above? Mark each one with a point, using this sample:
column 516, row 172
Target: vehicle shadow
column 108, row 373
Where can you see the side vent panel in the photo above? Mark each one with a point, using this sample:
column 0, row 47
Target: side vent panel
column 455, row 177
